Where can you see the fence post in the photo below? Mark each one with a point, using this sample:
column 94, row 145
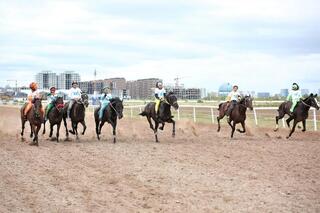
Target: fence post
column 255, row 116
column 212, row 115
column 283, row 123
column 140, row 111
column 194, row 114
column 314, row 119
column 131, row 112
column 178, row 112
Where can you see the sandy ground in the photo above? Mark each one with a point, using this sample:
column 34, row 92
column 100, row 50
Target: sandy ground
column 198, row 171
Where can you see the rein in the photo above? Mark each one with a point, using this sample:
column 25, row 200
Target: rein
column 114, row 109
column 305, row 104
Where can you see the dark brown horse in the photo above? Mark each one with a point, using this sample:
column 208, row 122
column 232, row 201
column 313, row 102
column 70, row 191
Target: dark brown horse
column 77, row 114
column 112, row 112
column 35, row 119
column 165, row 115
column 238, row 114
column 55, row 117
column 300, row 113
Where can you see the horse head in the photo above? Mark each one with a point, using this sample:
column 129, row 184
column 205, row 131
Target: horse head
column 117, row 106
column 37, row 106
column 313, row 101
column 172, row 100
column 248, row 102
column 85, row 99
column 59, row 103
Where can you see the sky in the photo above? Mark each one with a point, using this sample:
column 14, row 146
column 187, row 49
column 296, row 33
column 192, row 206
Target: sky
column 259, row 45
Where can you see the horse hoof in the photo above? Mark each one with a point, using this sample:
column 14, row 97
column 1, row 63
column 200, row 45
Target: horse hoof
column 288, row 137
column 275, row 130
column 161, row 128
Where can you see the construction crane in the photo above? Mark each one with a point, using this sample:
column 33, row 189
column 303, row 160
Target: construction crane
column 177, row 80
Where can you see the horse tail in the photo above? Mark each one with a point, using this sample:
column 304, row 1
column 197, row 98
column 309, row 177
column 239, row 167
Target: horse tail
column 144, row 113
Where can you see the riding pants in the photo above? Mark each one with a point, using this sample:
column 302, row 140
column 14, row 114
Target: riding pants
column 231, row 107
column 103, row 106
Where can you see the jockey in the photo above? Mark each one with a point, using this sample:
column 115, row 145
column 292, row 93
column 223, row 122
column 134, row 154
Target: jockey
column 233, row 97
column 104, row 100
column 31, row 97
column 159, row 94
column 294, row 96
column 74, row 95
column 52, row 96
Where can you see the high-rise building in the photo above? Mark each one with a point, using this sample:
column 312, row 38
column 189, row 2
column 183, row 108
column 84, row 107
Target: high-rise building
column 66, row 78
column 263, row 95
column 46, row 79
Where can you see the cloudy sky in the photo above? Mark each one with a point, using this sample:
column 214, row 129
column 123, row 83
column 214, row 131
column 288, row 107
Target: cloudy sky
column 260, row 45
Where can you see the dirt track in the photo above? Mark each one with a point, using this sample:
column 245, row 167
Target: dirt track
column 198, row 171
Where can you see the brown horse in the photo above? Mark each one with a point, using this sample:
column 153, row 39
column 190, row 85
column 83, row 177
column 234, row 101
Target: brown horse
column 164, row 114
column 238, row 114
column 77, row 114
column 300, row 113
column 35, row 119
column 55, row 117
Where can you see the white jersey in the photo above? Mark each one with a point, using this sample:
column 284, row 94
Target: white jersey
column 160, row 92
column 75, row 93
column 294, row 95
column 34, row 95
column 234, row 96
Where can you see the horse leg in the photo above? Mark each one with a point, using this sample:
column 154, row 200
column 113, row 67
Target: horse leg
column 84, row 127
column 233, row 126
column 66, row 126
column 114, row 126
column 75, row 129
column 243, row 128
column 100, row 127
column 293, row 128
column 97, row 129
column 51, row 130
column 58, row 130
column 23, row 122
column 31, row 133
column 163, row 124
column 44, row 127
column 34, row 139
column 150, row 122
column 304, row 125
column 156, row 131
column 289, row 120
column 218, row 119
column 36, row 134
column 280, row 116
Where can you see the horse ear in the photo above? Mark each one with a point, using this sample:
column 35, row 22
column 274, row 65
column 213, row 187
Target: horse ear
column 315, row 95
column 311, row 95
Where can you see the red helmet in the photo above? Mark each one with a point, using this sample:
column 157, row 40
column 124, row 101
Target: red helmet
column 33, row 86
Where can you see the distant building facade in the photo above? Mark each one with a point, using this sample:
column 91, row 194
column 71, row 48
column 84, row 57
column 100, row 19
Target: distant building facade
column 142, row 88
column 46, row 79
column 66, row 78
column 284, row 92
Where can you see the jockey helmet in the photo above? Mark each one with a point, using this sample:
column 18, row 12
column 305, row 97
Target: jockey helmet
column 33, row 86
column 295, row 86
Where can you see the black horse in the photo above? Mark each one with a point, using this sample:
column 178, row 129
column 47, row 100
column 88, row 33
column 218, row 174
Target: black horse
column 111, row 113
column 300, row 113
column 55, row 117
column 238, row 114
column 165, row 115
column 77, row 114
column 35, row 119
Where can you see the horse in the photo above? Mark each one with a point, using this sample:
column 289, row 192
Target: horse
column 55, row 117
column 35, row 119
column 238, row 114
column 164, row 114
column 111, row 113
column 300, row 113
column 77, row 115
